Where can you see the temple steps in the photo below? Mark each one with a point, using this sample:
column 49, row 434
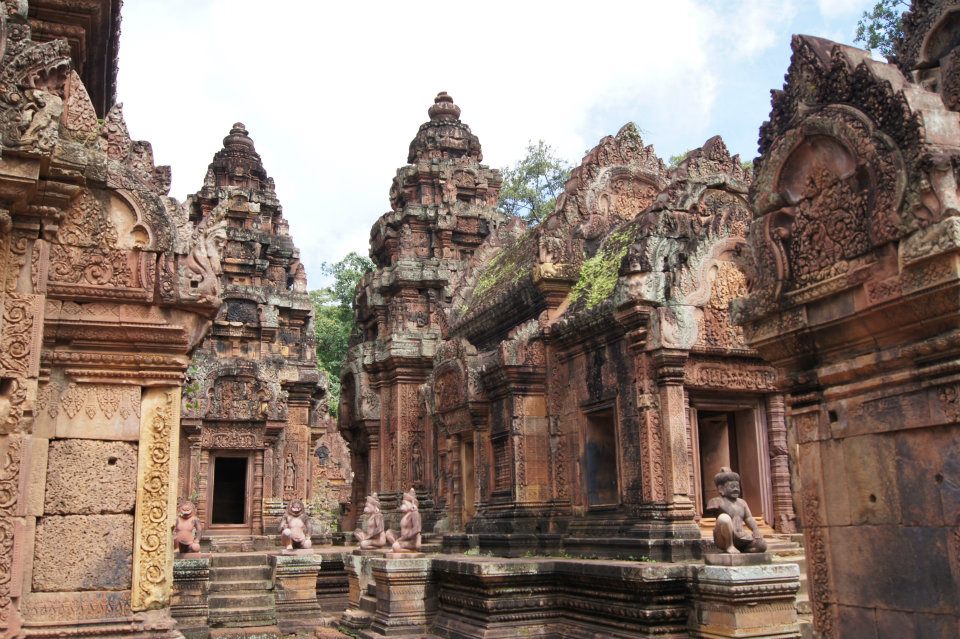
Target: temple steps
column 233, row 586
column 249, row 632
column 240, row 573
column 241, row 599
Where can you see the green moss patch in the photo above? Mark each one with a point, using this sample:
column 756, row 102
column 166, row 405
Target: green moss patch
column 599, row 274
column 508, row 267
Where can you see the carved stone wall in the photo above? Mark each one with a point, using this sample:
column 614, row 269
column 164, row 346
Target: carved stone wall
column 100, row 312
column 575, row 351
column 852, row 266
column 442, row 208
column 253, row 385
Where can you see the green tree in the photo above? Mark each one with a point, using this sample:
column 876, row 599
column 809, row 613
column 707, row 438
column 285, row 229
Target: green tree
column 675, row 160
column 880, row 28
column 532, row 185
column 333, row 317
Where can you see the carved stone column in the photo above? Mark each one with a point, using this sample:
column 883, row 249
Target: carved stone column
column 784, row 517
column 673, row 428
column 455, row 505
column 156, row 498
column 257, row 497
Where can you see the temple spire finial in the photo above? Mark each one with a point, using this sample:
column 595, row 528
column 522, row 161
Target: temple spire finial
column 443, row 108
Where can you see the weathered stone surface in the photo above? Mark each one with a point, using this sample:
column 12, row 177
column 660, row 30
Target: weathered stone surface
column 83, row 552
column 552, row 388
column 502, row 598
column 96, row 283
column 87, row 477
column 745, row 601
column 254, row 389
column 854, row 281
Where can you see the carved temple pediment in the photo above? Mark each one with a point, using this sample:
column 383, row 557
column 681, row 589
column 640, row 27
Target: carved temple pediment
column 846, row 168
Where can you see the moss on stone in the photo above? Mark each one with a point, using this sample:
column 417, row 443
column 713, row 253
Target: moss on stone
column 599, row 274
column 507, row 268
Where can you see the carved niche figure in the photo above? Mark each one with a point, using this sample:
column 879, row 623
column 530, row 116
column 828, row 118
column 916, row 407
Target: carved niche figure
column 416, row 461
column 290, row 474
column 732, row 513
column 187, row 530
column 410, row 525
column 295, row 526
column 375, row 536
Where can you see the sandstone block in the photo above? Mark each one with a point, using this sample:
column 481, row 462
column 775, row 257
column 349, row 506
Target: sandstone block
column 83, row 552
column 90, row 477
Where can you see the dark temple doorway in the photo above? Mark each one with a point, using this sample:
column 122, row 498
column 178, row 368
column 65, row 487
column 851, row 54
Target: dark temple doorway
column 229, row 490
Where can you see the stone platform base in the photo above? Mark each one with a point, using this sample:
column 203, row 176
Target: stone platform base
column 102, row 614
column 740, row 601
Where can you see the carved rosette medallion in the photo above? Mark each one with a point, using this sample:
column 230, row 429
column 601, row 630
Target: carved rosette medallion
column 152, row 559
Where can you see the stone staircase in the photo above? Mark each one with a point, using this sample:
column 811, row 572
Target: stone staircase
column 788, row 549
column 241, row 599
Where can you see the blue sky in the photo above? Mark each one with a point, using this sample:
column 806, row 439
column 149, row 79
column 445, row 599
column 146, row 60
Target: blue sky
column 332, row 93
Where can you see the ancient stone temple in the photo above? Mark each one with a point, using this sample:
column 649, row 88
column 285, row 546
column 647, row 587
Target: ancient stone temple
column 853, row 296
column 105, row 289
column 255, row 405
column 442, row 208
column 583, row 379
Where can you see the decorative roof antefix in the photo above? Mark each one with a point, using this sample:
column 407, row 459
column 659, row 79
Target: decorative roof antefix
column 92, row 30
column 237, row 164
column 823, row 72
column 927, row 28
column 928, row 50
column 444, row 136
column 665, row 256
column 616, row 180
column 700, row 218
column 852, row 138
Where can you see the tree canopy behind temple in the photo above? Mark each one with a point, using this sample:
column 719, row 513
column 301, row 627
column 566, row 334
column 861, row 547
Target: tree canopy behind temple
column 881, row 27
column 531, row 186
column 333, row 316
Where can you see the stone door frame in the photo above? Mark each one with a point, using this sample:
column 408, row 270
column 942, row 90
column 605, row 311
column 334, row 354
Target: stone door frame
column 245, row 528
column 761, row 458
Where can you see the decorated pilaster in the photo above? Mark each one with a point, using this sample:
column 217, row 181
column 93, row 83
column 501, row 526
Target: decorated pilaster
column 156, row 498
column 673, row 435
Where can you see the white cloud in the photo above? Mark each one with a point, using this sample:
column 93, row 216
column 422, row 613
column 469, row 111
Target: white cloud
column 843, row 8
column 332, row 93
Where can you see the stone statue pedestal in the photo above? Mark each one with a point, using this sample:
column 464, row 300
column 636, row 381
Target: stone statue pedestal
column 743, row 559
column 751, row 600
column 361, row 603
column 191, row 585
column 295, row 586
column 406, row 597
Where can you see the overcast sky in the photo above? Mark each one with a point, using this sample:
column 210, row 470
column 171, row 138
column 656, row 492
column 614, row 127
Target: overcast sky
column 333, row 92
